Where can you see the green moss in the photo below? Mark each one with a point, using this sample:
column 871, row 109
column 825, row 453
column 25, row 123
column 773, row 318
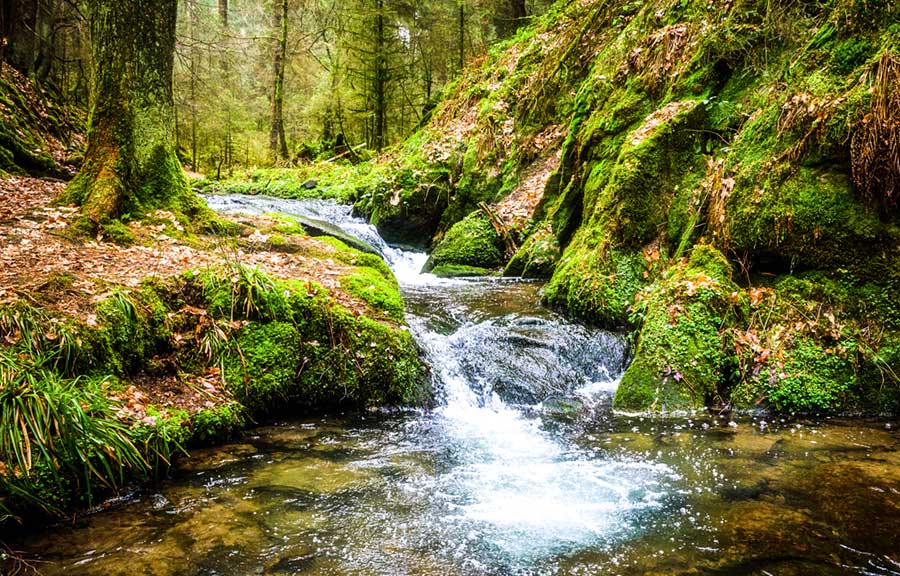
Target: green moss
column 809, row 378
column 382, row 294
column 118, row 232
column 300, row 348
column 131, row 332
column 214, row 425
column 406, row 201
column 471, row 242
column 265, row 363
column 812, row 219
column 536, row 258
column 850, row 54
column 460, row 271
column 683, row 359
column 596, row 287
column 337, row 181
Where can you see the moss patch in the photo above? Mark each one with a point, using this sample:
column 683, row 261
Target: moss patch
column 683, row 358
column 471, row 242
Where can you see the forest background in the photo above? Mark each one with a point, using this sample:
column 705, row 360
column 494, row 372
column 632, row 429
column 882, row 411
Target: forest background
column 282, row 81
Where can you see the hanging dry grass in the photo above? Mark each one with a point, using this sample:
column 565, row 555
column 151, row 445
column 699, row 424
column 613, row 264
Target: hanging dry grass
column 660, row 55
column 875, row 149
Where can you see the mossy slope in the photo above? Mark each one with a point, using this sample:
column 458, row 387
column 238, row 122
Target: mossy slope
column 233, row 343
column 756, row 130
column 37, row 137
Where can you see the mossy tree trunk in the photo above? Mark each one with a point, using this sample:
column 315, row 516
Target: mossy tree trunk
column 131, row 163
column 277, row 141
column 379, row 79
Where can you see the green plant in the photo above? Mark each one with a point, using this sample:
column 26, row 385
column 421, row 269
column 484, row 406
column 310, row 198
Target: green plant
column 55, row 431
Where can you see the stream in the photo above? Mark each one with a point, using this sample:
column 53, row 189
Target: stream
column 523, row 468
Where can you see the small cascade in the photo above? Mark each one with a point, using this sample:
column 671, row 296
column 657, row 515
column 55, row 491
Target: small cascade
column 498, row 359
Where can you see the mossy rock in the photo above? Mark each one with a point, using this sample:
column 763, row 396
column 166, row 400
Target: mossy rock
column 459, row 271
column 652, row 162
column 536, row 258
column 683, row 357
column 811, row 220
column 629, row 188
column 470, row 242
column 407, row 206
column 810, row 377
column 300, row 349
column 817, row 353
column 597, row 287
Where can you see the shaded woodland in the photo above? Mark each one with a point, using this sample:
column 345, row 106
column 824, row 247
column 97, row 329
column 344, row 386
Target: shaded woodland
column 282, row 80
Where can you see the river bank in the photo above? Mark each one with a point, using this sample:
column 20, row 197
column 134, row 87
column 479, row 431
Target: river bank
column 152, row 337
column 521, row 468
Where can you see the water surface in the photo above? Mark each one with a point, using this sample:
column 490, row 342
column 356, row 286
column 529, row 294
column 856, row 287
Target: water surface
column 523, row 468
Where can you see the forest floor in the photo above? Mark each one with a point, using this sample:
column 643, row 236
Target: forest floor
column 67, row 277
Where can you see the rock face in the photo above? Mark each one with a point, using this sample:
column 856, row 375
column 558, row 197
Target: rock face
column 726, row 188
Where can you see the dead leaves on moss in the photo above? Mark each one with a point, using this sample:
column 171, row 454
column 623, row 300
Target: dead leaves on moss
column 658, row 118
column 33, row 252
column 517, row 208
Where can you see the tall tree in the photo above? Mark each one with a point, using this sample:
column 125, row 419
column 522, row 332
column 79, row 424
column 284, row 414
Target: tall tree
column 130, row 163
column 461, row 36
column 226, row 77
column 379, row 79
column 277, row 141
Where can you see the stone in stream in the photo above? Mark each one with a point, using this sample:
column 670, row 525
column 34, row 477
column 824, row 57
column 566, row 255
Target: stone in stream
column 529, row 360
column 315, row 228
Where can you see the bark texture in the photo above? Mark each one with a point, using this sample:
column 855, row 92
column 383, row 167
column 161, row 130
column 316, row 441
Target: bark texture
column 131, row 163
column 277, row 141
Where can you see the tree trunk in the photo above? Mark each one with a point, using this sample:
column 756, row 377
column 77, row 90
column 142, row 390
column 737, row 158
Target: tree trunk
column 510, row 17
column 226, row 76
column 44, row 40
column 379, row 80
column 6, row 22
column 195, row 57
column 277, row 141
column 461, row 40
column 130, row 164
column 519, row 11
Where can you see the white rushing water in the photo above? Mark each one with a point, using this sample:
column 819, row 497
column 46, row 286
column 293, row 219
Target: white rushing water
column 515, row 489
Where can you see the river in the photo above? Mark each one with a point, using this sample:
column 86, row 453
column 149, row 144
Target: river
column 523, row 468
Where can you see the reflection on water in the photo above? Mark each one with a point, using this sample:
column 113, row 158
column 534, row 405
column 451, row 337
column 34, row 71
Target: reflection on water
column 523, row 469
column 409, row 495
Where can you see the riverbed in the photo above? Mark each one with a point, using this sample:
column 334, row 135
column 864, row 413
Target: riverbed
column 522, row 468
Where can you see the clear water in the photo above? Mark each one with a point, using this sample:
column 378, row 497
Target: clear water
column 522, row 469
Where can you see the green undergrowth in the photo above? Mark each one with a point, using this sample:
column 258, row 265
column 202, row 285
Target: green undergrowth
column 272, row 346
column 339, row 181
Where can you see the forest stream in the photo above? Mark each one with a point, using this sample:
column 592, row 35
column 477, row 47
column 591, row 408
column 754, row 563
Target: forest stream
column 522, row 467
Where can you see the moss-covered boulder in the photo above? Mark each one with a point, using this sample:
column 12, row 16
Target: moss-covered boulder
column 536, row 258
column 817, row 343
column 406, row 202
column 628, row 194
column 470, row 242
column 460, row 271
column 683, row 355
